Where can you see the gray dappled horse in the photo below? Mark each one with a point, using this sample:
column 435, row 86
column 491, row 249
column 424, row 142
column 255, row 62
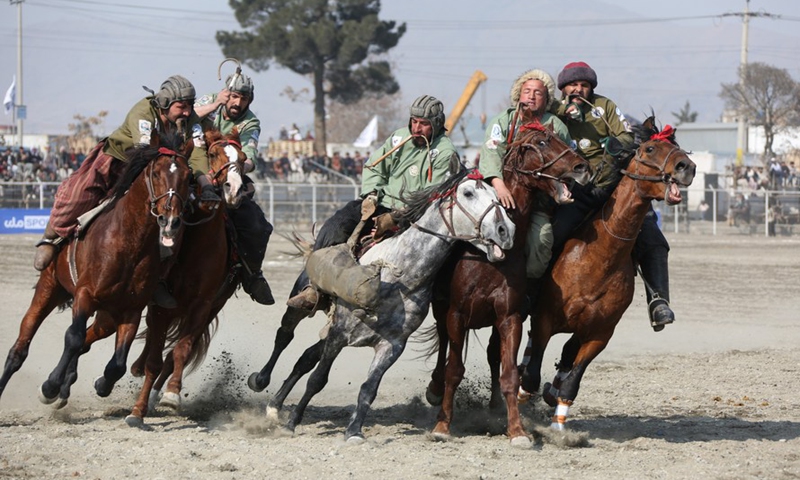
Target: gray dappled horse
column 461, row 208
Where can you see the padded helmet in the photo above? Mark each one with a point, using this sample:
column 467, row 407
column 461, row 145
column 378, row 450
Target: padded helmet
column 174, row 89
column 431, row 109
column 241, row 84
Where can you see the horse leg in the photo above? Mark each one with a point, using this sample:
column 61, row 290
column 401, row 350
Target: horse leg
column 152, row 366
column 568, row 353
column 454, row 373
column 180, row 354
column 493, row 358
column 258, row 381
column 74, row 339
column 307, row 361
column 49, row 294
column 435, row 391
column 386, row 354
column 115, row 369
column 571, row 383
column 331, row 347
column 510, row 332
column 531, row 368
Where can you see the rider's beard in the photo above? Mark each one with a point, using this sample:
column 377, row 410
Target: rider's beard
column 420, row 141
column 528, row 115
column 233, row 115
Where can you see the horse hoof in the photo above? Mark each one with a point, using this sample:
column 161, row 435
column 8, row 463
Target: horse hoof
column 440, row 437
column 272, row 412
column 60, row 403
column 559, row 427
column 45, row 399
column 521, row 442
column 357, row 439
column 134, row 421
column 252, row 382
column 170, row 400
column 99, row 387
column 432, row 398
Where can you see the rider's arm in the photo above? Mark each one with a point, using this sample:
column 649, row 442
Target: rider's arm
column 375, row 178
column 210, row 103
column 249, row 131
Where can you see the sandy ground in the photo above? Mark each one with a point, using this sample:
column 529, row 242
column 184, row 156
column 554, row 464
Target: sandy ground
column 715, row 395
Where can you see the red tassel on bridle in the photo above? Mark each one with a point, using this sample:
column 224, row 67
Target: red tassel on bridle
column 664, row 135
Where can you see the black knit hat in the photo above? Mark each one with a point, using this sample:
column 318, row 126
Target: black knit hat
column 575, row 71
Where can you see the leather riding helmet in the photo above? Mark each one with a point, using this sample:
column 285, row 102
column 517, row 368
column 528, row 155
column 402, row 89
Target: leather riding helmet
column 241, row 84
column 431, row 109
column 174, row 89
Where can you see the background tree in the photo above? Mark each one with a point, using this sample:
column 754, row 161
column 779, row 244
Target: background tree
column 337, row 43
column 685, row 115
column 86, row 131
column 768, row 97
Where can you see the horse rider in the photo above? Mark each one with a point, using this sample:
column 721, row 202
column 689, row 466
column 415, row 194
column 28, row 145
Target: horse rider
column 225, row 110
column 89, row 185
column 412, row 158
column 532, row 94
column 604, row 138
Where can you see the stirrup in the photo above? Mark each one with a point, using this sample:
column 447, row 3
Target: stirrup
column 660, row 313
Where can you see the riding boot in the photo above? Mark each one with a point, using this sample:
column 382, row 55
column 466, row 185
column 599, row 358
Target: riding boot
column 656, row 275
column 305, row 300
column 162, row 297
column 258, row 288
column 47, row 248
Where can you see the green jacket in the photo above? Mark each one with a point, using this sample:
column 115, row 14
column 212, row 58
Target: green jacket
column 600, row 122
column 407, row 168
column 249, row 126
column 495, row 141
column 141, row 120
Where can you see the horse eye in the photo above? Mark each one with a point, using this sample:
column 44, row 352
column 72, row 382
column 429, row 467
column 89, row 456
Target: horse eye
column 542, row 143
column 649, row 149
column 469, row 193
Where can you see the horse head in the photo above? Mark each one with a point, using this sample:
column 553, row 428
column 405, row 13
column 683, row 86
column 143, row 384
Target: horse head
column 226, row 164
column 167, row 177
column 659, row 166
column 468, row 210
column 544, row 162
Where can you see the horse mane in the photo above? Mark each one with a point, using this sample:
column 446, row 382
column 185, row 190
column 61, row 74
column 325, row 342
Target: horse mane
column 418, row 202
column 138, row 158
column 648, row 129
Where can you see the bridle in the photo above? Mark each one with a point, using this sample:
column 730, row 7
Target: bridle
column 214, row 173
column 538, row 172
column 169, row 194
column 443, row 206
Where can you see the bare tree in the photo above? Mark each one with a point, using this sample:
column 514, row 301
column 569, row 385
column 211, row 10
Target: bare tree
column 767, row 97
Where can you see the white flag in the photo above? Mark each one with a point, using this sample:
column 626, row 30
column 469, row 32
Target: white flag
column 369, row 135
column 8, row 100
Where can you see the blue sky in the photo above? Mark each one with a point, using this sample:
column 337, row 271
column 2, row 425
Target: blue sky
column 83, row 56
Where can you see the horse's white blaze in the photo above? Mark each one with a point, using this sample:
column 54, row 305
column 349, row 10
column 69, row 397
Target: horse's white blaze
column 173, row 167
column 234, row 175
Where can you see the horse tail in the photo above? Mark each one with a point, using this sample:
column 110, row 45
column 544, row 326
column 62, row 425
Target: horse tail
column 429, row 338
column 200, row 347
column 303, row 246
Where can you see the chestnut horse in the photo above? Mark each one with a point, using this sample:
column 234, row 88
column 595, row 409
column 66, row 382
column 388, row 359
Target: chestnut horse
column 472, row 293
column 592, row 281
column 203, row 280
column 114, row 266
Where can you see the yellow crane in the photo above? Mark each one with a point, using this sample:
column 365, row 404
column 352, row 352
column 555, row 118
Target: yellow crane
column 472, row 86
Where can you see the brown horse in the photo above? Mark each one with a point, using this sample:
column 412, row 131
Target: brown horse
column 592, row 281
column 114, row 267
column 203, row 280
column 473, row 293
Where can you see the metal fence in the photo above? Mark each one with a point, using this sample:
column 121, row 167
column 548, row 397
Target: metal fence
column 770, row 213
column 299, row 205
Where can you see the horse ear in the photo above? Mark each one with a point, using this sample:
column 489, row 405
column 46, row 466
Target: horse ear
column 549, row 126
column 187, row 148
column 650, row 123
column 211, row 135
column 155, row 138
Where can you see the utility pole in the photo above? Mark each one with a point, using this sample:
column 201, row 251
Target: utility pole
column 741, row 131
column 19, row 107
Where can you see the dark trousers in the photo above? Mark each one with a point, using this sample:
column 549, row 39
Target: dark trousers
column 252, row 233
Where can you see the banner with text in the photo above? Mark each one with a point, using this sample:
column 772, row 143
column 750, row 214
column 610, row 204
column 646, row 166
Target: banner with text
column 23, row 220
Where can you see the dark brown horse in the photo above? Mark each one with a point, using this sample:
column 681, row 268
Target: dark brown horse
column 473, row 293
column 203, row 280
column 114, row 267
column 592, row 281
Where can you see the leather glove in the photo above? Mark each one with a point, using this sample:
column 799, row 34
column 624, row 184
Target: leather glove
column 207, row 194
